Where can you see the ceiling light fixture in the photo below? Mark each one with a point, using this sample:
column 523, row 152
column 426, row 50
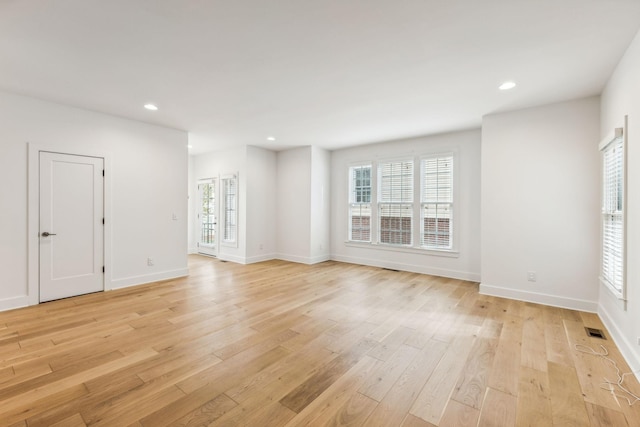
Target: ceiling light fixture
column 507, row 86
column 151, row 107
column 271, row 138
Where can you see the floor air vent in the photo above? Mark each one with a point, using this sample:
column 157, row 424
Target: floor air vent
column 595, row 333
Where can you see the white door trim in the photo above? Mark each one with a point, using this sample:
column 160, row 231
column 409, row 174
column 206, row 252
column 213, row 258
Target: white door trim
column 33, row 213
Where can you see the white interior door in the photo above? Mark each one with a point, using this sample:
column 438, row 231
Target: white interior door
column 207, row 217
column 71, row 225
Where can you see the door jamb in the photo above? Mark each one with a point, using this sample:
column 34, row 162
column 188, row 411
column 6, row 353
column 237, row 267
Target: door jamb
column 33, row 214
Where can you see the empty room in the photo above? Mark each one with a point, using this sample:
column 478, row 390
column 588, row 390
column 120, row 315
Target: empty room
column 291, row 213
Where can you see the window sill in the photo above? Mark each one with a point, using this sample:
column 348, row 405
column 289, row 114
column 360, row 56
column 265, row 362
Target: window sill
column 405, row 249
column 615, row 292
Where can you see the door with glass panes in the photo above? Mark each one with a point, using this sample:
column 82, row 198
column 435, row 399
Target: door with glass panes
column 207, row 217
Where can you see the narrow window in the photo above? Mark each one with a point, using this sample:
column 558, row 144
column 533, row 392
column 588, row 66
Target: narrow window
column 230, row 209
column 437, row 202
column 613, row 208
column 360, row 203
column 395, row 207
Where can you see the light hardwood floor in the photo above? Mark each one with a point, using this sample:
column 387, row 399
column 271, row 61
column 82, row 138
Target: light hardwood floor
column 282, row 344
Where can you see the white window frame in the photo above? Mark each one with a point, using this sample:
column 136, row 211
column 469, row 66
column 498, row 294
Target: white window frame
column 416, row 246
column 355, row 204
column 380, row 202
column 451, row 203
column 614, row 140
column 229, row 212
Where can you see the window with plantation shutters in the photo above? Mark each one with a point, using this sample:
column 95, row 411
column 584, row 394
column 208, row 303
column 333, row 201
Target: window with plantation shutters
column 395, row 202
column 613, row 213
column 360, row 203
column 230, row 209
column 436, row 207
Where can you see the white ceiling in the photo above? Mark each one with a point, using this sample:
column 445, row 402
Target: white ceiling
column 331, row 73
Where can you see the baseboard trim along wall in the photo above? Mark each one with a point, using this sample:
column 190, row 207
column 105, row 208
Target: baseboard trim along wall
column 259, row 258
column 147, row 278
column 422, row 269
column 539, row 298
column 626, row 348
column 303, row 260
column 14, row 302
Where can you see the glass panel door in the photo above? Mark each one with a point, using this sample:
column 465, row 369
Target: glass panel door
column 207, row 217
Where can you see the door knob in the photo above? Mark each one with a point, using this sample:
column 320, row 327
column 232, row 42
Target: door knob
column 47, row 234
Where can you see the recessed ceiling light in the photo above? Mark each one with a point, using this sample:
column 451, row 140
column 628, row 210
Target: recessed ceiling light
column 271, row 138
column 507, row 86
column 151, row 107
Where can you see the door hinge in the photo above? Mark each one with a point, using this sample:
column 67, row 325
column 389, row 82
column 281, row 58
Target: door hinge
column 102, row 221
column 102, row 172
column 103, row 268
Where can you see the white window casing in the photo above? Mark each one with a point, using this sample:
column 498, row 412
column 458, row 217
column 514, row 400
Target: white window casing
column 437, row 202
column 395, row 202
column 404, row 204
column 229, row 190
column 613, row 213
column 360, row 193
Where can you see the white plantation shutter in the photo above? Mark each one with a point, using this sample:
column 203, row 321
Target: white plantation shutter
column 613, row 230
column 395, row 202
column 360, row 203
column 230, row 208
column 437, row 202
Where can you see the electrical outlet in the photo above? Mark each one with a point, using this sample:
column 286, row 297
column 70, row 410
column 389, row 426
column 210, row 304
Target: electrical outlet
column 150, row 262
column 638, row 340
column 261, row 246
column 531, row 276
column 174, row 217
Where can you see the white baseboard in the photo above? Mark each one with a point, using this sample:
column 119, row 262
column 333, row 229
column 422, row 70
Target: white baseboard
column 260, row 258
column 147, row 278
column 539, row 298
column 232, row 258
column 303, row 260
column 422, row 269
column 192, row 251
column 14, row 302
column 628, row 350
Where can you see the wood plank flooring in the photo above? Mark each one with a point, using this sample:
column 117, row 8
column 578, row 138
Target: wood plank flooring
column 282, row 344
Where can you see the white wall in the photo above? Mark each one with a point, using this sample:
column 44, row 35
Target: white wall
column 146, row 176
column 261, row 204
column 294, row 203
column 214, row 165
column 540, row 204
column 320, row 205
column 464, row 266
column 621, row 97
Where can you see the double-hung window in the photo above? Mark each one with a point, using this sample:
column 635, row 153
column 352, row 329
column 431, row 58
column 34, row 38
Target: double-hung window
column 613, row 213
column 405, row 203
column 360, row 203
column 395, row 202
column 436, row 207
